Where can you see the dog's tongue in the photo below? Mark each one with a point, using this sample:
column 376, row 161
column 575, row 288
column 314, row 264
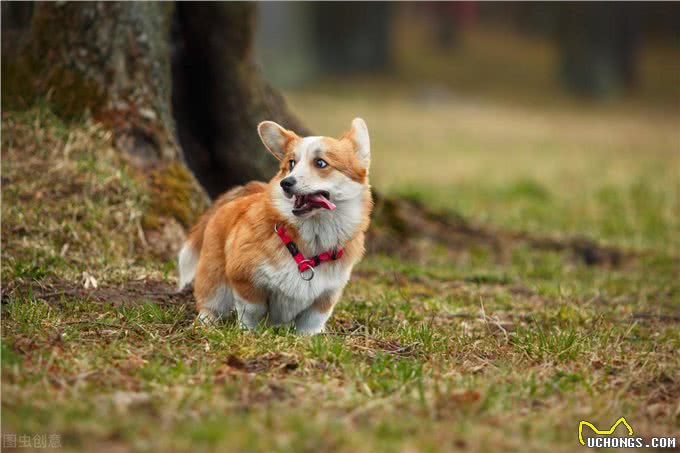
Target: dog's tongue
column 321, row 200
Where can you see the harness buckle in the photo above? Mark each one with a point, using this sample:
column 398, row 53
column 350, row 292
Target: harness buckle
column 309, row 268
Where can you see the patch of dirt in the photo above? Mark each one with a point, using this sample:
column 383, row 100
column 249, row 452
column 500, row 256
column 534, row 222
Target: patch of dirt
column 129, row 293
column 274, row 361
column 242, row 370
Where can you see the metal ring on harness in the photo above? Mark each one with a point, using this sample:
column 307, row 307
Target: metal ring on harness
column 309, row 268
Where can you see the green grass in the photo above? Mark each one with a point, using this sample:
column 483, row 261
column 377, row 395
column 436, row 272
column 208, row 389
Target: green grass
column 470, row 348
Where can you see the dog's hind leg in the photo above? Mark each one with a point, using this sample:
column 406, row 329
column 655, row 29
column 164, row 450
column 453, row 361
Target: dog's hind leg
column 217, row 306
column 214, row 298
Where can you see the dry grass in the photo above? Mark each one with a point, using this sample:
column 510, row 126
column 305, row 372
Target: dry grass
column 72, row 204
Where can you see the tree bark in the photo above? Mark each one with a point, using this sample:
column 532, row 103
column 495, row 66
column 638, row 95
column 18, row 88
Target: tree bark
column 219, row 95
column 108, row 59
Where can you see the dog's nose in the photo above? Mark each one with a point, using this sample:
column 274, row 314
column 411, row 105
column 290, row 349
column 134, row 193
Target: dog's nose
column 288, row 183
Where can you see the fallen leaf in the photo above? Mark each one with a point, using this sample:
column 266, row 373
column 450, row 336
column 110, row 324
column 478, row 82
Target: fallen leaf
column 596, row 364
column 466, row 396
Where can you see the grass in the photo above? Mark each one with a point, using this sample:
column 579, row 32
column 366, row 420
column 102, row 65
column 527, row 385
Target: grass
column 467, row 349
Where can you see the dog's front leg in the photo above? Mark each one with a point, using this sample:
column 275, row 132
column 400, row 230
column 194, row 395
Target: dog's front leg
column 251, row 306
column 312, row 320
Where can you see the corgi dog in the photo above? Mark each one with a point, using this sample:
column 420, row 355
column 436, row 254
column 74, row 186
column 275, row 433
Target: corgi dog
column 282, row 252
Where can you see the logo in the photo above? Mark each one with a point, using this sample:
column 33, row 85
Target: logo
column 605, row 432
column 621, row 442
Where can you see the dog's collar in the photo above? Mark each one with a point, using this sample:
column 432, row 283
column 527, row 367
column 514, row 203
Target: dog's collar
column 306, row 264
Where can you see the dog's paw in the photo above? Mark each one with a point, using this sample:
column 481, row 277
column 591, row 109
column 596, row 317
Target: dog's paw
column 309, row 331
column 206, row 318
column 311, row 322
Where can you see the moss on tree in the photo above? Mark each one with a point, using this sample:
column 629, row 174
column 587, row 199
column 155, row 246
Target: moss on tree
column 171, row 191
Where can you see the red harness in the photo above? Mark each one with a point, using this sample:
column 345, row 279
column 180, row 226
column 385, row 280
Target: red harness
column 306, row 264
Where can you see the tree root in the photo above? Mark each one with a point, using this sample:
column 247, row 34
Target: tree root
column 399, row 224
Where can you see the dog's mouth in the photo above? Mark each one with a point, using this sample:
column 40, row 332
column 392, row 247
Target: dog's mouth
column 305, row 203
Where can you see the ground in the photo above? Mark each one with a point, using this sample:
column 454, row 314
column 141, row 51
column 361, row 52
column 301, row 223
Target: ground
column 473, row 345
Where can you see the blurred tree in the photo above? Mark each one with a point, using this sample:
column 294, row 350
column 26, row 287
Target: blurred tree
column 599, row 47
column 450, row 19
column 285, row 43
column 355, row 39
column 598, row 42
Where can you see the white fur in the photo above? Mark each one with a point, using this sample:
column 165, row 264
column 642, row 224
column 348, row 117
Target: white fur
column 311, row 321
column 289, row 294
column 360, row 131
column 320, row 230
column 249, row 315
column 187, row 262
column 207, row 317
column 218, row 306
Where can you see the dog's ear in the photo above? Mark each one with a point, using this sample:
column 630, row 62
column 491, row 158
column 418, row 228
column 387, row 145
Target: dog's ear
column 275, row 138
column 358, row 134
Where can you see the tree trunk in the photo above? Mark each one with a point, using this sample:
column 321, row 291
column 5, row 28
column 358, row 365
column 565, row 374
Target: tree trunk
column 219, row 96
column 598, row 47
column 352, row 39
column 129, row 65
column 108, row 59
column 111, row 61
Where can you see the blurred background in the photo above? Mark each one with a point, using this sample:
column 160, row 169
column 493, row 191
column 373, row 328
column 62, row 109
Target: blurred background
column 519, row 50
column 539, row 116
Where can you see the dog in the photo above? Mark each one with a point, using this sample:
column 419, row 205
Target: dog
column 282, row 252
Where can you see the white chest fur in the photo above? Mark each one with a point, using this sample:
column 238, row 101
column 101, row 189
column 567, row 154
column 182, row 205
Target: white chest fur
column 289, row 294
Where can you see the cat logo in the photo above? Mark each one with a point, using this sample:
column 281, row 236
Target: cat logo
column 605, row 432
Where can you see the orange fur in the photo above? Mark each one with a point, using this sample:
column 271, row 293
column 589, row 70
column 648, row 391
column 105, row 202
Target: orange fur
column 195, row 236
column 339, row 155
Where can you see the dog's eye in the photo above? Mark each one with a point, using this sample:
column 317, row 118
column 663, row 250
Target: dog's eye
column 291, row 164
column 320, row 163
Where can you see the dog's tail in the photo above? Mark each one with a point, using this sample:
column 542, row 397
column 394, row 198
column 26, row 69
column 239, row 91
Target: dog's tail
column 188, row 255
